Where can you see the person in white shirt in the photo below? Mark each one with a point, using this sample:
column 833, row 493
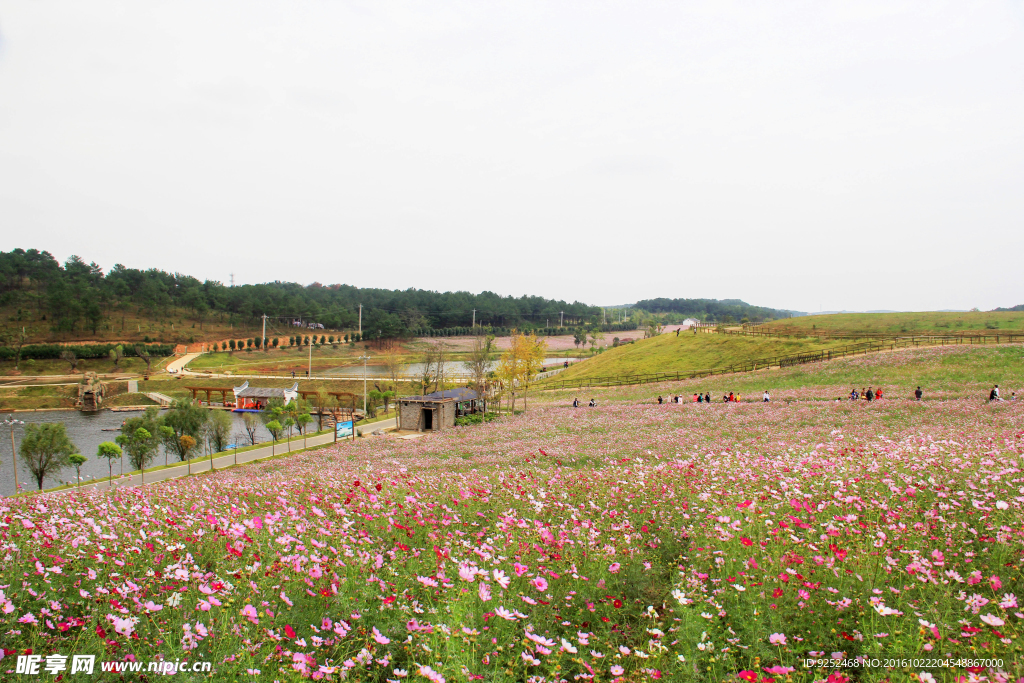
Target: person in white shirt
column 767, row 397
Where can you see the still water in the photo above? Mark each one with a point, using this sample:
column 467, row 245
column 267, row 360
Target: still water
column 415, row 370
column 86, row 431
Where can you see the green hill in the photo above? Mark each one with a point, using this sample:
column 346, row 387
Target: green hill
column 689, row 352
column 977, row 322
column 942, row 371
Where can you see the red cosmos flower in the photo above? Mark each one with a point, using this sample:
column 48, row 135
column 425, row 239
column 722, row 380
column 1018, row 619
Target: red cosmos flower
column 746, row 541
column 388, row 600
column 777, row 593
column 838, row 678
column 616, row 603
column 402, row 546
column 748, row 675
column 289, row 631
column 847, row 636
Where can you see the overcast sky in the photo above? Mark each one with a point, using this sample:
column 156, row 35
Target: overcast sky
column 850, row 155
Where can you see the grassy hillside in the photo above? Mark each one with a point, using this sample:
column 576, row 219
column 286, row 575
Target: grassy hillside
column 689, row 352
column 903, row 323
column 942, row 372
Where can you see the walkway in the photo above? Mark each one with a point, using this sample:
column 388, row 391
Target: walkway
column 228, row 458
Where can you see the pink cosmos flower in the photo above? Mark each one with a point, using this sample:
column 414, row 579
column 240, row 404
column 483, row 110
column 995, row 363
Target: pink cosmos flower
column 484, row 592
column 249, row 612
column 520, row 569
column 379, row 637
column 502, row 578
column 617, row 670
column 996, row 582
column 614, row 567
column 540, row 584
column 777, row 639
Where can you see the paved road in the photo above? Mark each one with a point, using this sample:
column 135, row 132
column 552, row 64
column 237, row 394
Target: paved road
column 224, row 460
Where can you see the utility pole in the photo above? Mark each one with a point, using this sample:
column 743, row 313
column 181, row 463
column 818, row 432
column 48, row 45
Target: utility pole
column 366, row 413
column 561, row 317
column 309, row 372
column 12, row 423
column 474, row 318
column 360, row 321
column 264, row 340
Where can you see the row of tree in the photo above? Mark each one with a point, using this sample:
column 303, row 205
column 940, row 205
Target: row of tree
column 79, row 296
column 184, row 432
column 711, row 310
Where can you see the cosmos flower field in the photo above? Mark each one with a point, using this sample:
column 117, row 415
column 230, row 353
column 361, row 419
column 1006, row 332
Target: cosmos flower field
column 624, row 543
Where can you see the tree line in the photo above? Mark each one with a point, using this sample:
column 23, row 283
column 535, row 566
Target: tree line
column 77, row 296
column 713, row 310
column 185, row 432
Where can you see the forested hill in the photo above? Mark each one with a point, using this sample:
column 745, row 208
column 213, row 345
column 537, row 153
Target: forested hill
column 714, row 310
column 78, row 297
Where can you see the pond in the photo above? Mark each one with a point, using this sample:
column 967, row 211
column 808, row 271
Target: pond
column 87, row 431
column 453, row 369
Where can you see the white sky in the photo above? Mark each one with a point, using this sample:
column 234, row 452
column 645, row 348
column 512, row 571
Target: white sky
column 849, row 155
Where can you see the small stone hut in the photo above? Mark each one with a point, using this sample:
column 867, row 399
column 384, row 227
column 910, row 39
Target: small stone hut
column 438, row 410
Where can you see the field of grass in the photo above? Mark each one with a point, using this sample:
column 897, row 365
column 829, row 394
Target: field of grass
column 941, row 372
column 689, row 352
column 280, row 361
column 41, row 368
column 51, row 396
column 902, row 323
column 621, row 544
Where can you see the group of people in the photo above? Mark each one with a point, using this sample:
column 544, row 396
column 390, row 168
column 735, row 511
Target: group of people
column 994, row 395
column 870, row 394
column 576, row 403
column 706, row 398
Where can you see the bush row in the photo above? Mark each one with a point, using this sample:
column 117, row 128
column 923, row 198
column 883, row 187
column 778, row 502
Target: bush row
column 53, row 351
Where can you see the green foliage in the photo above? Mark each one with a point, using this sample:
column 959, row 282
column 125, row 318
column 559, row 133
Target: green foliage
column 711, row 310
column 45, row 450
column 275, row 428
column 185, row 418
column 77, row 460
column 139, row 444
column 111, row 452
column 218, row 429
column 475, row 419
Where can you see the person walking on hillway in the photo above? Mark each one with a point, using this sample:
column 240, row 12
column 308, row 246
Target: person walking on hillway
column 700, row 398
column 592, row 404
column 870, row 395
column 576, row 403
column 994, row 394
column 767, row 397
column 660, row 401
column 707, row 397
column 918, row 394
